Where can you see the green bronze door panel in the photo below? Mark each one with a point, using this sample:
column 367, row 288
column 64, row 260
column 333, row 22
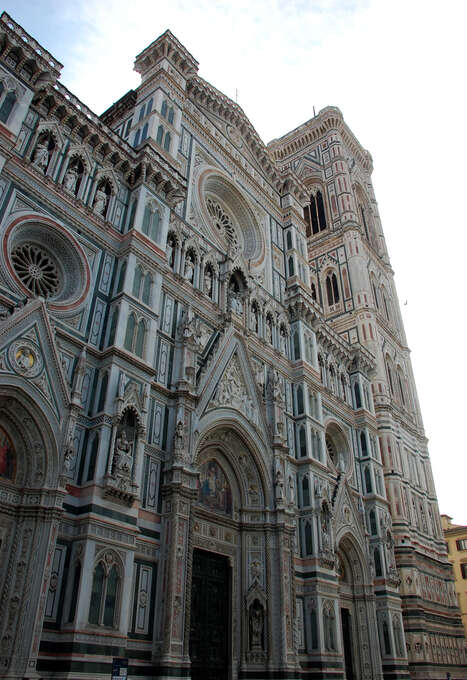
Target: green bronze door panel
column 210, row 616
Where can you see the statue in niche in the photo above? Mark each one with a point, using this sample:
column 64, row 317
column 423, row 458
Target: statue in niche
column 254, row 319
column 41, row 156
column 69, row 455
column 269, row 330
column 277, row 386
column 189, row 271
column 291, row 490
column 179, row 438
column 236, row 303
column 70, row 180
column 100, row 202
column 256, row 626
column 235, row 297
column 325, row 527
column 170, row 250
column 207, row 282
column 279, row 484
column 123, row 459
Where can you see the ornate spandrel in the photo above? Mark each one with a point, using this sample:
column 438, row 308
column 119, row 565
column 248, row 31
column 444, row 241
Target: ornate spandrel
column 232, row 392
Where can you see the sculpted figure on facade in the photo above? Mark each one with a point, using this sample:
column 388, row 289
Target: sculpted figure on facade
column 189, row 270
column 123, row 459
column 71, row 179
column 207, row 282
column 179, row 441
column 256, row 626
column 279, row 485
column 41, row 156
column 170, row 251
column 100, row 202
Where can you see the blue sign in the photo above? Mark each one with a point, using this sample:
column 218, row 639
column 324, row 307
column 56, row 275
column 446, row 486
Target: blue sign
column 119, row 669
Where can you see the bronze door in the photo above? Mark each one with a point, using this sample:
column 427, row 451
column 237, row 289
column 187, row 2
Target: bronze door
column 210, row 616
column 347, row 639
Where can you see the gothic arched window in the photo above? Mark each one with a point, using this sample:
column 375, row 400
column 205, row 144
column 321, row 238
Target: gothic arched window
column 329, row 625
column 305, row 491
column 358, row 398
column 296, row 346
column 93, row 458
column 302, row 441
column 104, row 595
column 332, row 289
column 167, row 139
column 396, row 624
column 378, row 565
column 386, row 637
column 151, row 222
column 368, row 483
column 315, row 214
column 137, row 281
column 300, row 401
column 74, row 592
column 146, row 297
column 7, row 106
column 314, row 628
column 160, row 134
column 308, row 539
column 130, row 331
column 363, row 444
column 140, row 335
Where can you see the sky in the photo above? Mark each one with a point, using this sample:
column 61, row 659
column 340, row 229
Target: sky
column 395, row 68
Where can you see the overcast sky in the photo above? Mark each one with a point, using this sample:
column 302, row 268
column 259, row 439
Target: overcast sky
column 395, row 68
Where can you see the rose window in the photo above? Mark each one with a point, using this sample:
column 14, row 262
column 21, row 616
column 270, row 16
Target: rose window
column 36, row 270
column 44, row 260
column 221, row 220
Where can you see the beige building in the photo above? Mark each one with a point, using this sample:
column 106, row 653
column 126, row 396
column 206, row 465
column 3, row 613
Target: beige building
column 456, row 543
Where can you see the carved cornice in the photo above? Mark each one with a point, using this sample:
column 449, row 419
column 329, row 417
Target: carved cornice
column 166, row 46
column 314, row 129
column 331, row 342
column 301, row 306
column 363, row 361
column 46, row 67
column 202, row 93
column 107, row 148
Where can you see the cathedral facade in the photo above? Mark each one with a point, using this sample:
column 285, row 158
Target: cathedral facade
column 212, row 458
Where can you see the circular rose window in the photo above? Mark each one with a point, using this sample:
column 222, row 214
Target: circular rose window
column 229, row 217
column 36, row 269
column 46, row 261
